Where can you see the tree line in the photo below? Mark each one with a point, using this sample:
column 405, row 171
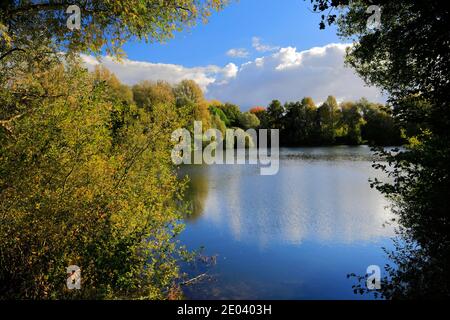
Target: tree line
column 353, row 123
column 300, row 123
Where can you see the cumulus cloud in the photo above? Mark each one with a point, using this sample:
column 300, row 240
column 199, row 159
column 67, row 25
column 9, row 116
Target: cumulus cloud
column 230, row 71
column 290, row 75
column 131, row 72
column 238, row 53
column 259, row 46
column 287, row 75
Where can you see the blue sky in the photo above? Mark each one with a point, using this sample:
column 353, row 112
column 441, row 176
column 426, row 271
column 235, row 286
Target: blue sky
column 277, row 22
column 250, row 53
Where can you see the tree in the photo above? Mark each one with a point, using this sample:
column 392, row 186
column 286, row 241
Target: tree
column 294, row 132
column 352, row 120
column 256, row 110
column 215, row 111
column 232, row 112
column 329, row 114
column 148, row 94
column 248, row 120
column 189, row 95
column 103, row 24
column 261, row 113
column 188, row 91
column 86, row 177
column 116, row 90
column 379, row 128
column 312, row 128
column 69, row 195
column 275, row 114
column 299, row 122
column 217, row 123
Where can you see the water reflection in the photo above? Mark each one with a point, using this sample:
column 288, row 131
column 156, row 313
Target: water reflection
column 319, row 201
column 326, row 199
column 197, row 193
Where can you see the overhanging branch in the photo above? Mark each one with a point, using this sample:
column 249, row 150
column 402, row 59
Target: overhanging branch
column 10, row 51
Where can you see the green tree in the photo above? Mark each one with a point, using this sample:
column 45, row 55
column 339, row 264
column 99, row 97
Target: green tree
column 232, row 112
column 218, row 112
column 379, row 128
column 248, row 120
column 329, row 115
column 351, row 121
column 299, row 122
column 275, row 114
column 312, row 127
column 218, row 123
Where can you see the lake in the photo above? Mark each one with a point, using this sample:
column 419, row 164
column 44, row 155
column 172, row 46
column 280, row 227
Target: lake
column 294, row 235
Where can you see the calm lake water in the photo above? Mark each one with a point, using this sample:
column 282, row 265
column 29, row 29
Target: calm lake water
column 295, row 235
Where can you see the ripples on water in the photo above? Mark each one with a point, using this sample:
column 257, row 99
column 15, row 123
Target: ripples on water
column 295, row 235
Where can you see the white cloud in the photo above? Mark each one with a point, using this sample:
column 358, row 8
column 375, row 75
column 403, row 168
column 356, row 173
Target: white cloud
column 256, row 43
column 287, row 75
column 131, row 72
column 290, row 75
column 230, row 70
column 238, row 53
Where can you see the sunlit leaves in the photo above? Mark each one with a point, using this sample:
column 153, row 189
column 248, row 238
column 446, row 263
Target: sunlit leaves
column 106, row 24
column 74, row 194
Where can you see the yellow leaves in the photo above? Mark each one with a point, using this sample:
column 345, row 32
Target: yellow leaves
column 417, row 142
column 4, row 35
column 75, row 198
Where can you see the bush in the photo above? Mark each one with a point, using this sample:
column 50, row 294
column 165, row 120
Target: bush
column 72, row 194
